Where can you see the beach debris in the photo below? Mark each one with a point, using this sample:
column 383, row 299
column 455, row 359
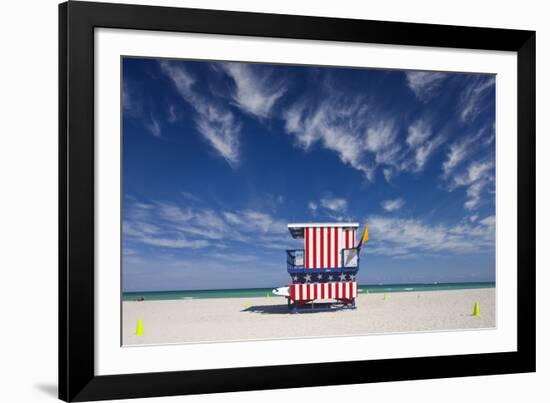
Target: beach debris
column 385, row 297
column 139, row 328
column 247, row 306
column 476, row 310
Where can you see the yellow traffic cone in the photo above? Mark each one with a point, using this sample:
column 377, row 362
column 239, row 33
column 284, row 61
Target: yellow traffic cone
column 139, row 328
column 385, row 297
column 476, row 310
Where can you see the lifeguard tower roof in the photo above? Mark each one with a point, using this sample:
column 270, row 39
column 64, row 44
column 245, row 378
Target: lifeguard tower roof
column 297, row 229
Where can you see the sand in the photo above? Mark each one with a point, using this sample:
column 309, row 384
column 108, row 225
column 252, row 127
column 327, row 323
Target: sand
column 207, row 320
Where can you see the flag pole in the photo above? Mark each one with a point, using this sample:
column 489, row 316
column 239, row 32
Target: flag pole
column 364, row 238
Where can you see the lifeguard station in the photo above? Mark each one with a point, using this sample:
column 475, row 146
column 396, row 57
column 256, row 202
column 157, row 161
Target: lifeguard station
column 325, row 268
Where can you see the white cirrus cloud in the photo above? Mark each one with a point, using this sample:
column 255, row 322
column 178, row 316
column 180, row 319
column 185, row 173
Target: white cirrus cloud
column 329, row 207
column 473, row 95
column 334, row 204
column 381, row 140
column 423, row 152
column 153, row 126
column 179, row 243
column 422, row 143
column 456, row 154
column 189, row 196
column 127, row 101
column 476, row 171
column 312, row 206
column 393, row 204
column 360, row 137
column 255, row 92
column 215, row 122
column 476, row 178
column 168, row 225
column 388, row 174
column 342, row 125
column 380, row 137
column 172, row 115
column 489, row 221
column 132, row 102
column 232, row 218
column 397, row 237
column 460, row 151
column 474, row 192
column 418, row 132
column 425, row 84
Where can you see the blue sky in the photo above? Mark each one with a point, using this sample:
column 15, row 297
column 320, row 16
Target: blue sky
column 219, row 156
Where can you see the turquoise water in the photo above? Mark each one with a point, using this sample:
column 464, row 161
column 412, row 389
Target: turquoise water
column 263, row 292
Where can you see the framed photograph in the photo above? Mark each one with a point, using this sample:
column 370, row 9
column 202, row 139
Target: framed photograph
column 247, row 198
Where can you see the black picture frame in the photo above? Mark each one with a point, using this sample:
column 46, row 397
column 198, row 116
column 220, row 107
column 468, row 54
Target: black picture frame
column 77, row 379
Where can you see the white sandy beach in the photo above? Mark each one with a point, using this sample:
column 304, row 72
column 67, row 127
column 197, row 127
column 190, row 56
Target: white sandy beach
column 201, row 320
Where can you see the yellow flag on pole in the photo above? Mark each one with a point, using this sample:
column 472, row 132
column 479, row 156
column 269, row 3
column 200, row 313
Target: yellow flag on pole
column 365, row 236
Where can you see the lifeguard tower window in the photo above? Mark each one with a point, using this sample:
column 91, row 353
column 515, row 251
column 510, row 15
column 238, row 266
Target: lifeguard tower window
column 350, row 257
column 299, row 258
column 295, row 257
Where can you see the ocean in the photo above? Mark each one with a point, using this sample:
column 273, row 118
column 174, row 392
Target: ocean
column 264, row 292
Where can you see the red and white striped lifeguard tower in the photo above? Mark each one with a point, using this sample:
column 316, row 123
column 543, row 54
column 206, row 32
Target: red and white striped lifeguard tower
column 325, row 269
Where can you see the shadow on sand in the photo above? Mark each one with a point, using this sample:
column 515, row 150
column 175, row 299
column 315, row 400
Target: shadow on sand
column 283, row 309
column 279, row 309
